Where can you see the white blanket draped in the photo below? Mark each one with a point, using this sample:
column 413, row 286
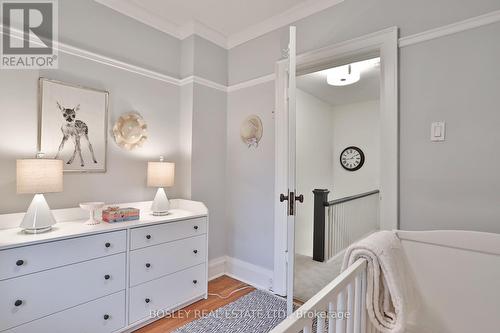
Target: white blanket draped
column 391, row 298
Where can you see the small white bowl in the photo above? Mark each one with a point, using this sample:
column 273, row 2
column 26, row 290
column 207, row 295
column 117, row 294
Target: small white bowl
column 92, row 207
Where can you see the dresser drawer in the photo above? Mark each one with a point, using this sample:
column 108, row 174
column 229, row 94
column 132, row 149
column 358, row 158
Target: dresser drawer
column 35, row 258
column 33, row 296
column 104, row 315
column 167, row 292
column 155, row 261
column 167, row 232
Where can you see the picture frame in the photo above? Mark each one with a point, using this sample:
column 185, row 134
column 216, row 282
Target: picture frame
column 73, row 125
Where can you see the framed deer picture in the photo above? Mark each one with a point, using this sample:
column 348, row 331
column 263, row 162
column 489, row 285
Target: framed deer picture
column 73, row 125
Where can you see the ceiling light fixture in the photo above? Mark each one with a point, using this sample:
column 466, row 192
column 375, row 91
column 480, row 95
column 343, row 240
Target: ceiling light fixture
column 349, row 74
column 343, row 75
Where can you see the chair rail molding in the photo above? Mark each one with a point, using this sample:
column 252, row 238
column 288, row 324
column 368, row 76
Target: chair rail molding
column 119, row 64
column 450, row 29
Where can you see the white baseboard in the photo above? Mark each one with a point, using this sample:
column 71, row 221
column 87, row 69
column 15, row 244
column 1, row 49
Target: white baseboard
column 256, row 276
column 216, row 268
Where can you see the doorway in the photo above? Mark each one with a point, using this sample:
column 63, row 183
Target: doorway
column 337, row 157
column 382, row 45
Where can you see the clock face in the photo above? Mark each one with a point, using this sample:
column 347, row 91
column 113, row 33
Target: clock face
column 352, row 158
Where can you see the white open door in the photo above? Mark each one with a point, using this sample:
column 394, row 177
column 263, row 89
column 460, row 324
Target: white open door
column 291, row 196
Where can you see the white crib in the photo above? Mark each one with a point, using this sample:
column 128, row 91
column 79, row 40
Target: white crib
column 457, row 274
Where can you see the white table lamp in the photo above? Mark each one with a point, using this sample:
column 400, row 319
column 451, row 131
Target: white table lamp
column 39, row 176
column 160, row 174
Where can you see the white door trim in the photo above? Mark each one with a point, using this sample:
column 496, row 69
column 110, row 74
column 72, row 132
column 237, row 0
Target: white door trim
column 385, row 43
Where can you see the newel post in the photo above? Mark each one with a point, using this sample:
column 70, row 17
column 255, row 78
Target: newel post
column 320, row 203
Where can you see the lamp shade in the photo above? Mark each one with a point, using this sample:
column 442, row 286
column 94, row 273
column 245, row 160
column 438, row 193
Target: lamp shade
column 36, row 176
column 161, row 174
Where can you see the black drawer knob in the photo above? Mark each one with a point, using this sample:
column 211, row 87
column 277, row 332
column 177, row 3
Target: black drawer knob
column 107, row 244
column 18, row 302
column 148, row 265
column 195, row 251
column 20, row 262
column 148, row 236
column 195, row 281
column 106, row 317
column 107, row 277
column 195, row 227
column 147, row 300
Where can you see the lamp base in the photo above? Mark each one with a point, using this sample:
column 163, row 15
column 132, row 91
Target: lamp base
column 38, row 218
column 161, row 205
column 160, row 213
column 37, row 231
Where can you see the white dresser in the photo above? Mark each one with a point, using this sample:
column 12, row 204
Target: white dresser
column 103, row 278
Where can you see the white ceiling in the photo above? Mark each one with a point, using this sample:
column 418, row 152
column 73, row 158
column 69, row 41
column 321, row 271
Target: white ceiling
column 366, row 89
column 224, row 22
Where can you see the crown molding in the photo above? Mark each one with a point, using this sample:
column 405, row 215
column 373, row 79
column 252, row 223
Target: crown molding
column 287, row 17
column 178, row 31
column 450, row 29
column 471, row 23
column 143, row 16
column 197, row 28
column 291, row 15
column 202, row 30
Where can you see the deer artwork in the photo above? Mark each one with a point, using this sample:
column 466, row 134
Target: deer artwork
column 74, row 129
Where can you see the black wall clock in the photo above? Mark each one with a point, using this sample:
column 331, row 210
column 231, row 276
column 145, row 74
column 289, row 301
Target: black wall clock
column 352, row 158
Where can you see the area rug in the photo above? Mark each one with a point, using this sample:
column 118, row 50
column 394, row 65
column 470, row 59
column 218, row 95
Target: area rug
column 256, row 312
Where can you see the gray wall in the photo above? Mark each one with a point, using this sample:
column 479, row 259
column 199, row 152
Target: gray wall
column 209, row 161
column 203, row 133
column 454, row 184
column 442, row 185
column 250, row 178
column 349, row 19
column 97, row 28
column 186, row 124
column 205, row 59
column 125, row 179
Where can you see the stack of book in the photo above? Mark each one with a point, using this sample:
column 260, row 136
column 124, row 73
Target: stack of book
column 117, row 214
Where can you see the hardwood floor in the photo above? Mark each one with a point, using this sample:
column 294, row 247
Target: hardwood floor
column 223, row 286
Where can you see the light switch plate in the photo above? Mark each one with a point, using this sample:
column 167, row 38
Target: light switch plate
column 438, row 130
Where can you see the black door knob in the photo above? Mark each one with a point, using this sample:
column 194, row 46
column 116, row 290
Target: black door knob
column 195, row 251
column 195, row 281
column 107, row 277
column 195, row 227
column 148, row 236
column 107, row 244
column 283, row 197
column 20, row 262
column 18, row 302
column 147, row 300
column 300, row 198
column 148, row 265
column 106, row 317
